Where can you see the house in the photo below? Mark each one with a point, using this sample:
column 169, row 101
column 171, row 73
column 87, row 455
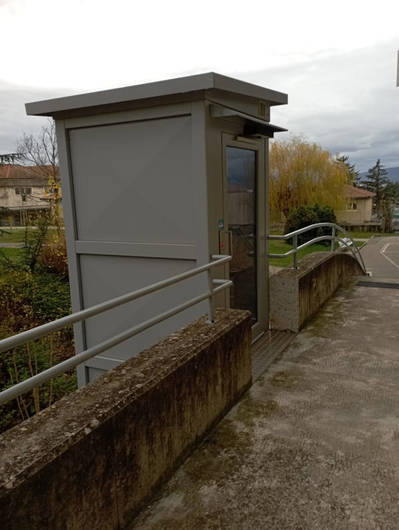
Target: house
column 359, row 207
column 23, row 190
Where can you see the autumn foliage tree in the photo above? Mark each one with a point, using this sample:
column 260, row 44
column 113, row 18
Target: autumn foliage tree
column 304, row 174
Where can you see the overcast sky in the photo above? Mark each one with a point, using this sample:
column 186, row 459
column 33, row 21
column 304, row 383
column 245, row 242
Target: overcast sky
column 336, row 60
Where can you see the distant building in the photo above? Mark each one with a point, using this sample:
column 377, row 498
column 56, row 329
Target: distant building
column 23, row 190
column 359, row 207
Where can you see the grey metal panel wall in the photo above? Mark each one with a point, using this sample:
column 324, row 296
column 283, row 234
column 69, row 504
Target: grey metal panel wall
column 137, row 205
column 105, row 277
column 133, row 181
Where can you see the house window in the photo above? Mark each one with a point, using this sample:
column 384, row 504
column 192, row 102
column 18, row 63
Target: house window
column 352, row 206
column 23, row 191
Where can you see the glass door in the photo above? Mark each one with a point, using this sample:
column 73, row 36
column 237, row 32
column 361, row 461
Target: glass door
column 244, row 196
column 241, row 191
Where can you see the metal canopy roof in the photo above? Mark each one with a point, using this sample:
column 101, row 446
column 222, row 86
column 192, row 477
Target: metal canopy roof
column 181, row 85
column 252, row 126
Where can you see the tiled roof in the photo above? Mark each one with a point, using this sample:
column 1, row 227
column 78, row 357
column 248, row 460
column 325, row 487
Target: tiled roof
column 11, row 175
column 357, row 193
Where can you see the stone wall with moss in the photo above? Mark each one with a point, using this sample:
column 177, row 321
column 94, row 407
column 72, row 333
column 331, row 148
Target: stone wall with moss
column 297, row 294
column 93, row 458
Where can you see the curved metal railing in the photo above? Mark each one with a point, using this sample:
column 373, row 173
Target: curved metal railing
column 214, row 286
column 333, row 238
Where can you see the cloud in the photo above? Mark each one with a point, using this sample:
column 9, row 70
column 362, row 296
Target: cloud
column 13, row 119
column 347, row 102
column 97, row 43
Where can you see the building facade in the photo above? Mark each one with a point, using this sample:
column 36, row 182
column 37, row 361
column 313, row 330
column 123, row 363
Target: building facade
column 24, row 191
column 359, row 207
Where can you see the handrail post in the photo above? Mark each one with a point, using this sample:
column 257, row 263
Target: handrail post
column 295, row 245
column 211, row 309
column 333, row 239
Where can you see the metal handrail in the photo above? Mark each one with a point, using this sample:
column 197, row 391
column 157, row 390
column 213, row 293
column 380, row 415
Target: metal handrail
column 45, row 329
column 333, row 238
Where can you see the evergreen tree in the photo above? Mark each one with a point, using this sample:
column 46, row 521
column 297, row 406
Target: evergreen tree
column 392, row 191
column 377, row 182
column 353, row 175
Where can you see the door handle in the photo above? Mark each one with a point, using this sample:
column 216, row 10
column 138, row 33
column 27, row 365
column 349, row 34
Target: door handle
column 226, row 234
column 230, row 242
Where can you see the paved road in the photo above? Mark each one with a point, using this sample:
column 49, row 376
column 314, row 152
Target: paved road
column 381, row 257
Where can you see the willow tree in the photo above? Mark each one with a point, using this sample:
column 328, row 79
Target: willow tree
column 303, row 173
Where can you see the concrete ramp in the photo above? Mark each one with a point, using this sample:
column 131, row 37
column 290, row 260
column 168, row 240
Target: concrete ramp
column 314, row 444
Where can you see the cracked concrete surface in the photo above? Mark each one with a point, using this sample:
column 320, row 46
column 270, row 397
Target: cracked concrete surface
column 314, row 443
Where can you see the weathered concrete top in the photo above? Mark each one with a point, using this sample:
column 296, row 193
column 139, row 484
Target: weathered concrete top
column 159, row 89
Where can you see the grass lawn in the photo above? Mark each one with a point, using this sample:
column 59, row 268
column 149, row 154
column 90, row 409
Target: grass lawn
column 367, row 235
column 16, row 235
column 11, row 236
column 13, row 254
column 280, row 247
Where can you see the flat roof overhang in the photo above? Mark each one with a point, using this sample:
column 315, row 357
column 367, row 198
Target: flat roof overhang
column 253, row 126
column 171, row 87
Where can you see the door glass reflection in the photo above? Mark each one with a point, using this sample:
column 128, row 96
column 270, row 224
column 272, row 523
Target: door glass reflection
column 241, row 189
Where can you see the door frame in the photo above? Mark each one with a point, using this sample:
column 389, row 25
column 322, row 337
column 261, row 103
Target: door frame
column 257, row 145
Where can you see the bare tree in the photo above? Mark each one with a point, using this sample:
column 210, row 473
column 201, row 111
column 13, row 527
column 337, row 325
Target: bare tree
column 40, row 152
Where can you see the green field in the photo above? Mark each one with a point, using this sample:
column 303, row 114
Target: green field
column 367, row 235
column 17, row 235
column 11, row 236
column 12, row 254
column 280, row 247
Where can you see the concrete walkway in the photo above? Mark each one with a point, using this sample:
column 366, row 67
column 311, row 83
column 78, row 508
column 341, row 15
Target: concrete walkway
column 315, row 443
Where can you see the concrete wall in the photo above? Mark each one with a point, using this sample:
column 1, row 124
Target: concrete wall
column 296, row 295
column 94, row 457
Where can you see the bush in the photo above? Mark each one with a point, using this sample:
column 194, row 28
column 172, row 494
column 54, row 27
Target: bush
column 307, row 215
column 34, row 289
column 28, row 299
column 53, row 257
column 325, row 214
column 299, row 218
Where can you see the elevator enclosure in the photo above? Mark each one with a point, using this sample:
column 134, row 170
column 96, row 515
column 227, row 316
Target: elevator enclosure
column 156, row 178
